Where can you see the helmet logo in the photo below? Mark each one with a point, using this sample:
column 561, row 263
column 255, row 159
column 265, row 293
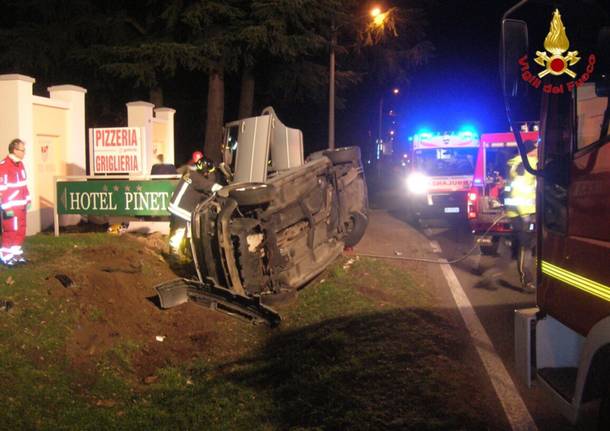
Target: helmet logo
column 556, row 43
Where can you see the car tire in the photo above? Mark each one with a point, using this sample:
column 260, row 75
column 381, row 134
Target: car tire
column 343, row 155
column 316, row 155
column 355, row 228
column 490, row 250
column 251, row 194
column 603, row 418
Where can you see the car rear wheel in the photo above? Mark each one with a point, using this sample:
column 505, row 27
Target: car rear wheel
column 490, row 249
column 343, row 155
column 355, row 227
column 252, row 194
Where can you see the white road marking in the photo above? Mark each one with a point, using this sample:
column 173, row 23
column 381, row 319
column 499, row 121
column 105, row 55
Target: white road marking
column 516, row 412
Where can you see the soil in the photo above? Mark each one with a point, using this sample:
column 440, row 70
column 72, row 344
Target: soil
column 117, row 307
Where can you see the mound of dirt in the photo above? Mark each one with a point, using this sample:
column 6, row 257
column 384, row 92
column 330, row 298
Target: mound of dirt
column 118, row 309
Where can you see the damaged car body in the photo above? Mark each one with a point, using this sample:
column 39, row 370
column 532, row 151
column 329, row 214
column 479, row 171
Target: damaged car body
column 279, row 222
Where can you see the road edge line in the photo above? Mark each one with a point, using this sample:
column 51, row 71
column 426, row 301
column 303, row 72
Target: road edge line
column 514, row 407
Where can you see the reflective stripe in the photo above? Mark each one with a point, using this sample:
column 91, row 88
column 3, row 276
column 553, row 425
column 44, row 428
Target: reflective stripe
column 16, row 203
column 17, row 184
column 592, row 287
column 180, row 212
column 15, row 193
column 181, row 193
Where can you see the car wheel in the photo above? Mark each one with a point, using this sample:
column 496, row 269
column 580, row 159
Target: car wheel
column 355, row 227
column 252, row 194
column 316, row 155
column 490, row 250
column 343, row 155
column 603, row 418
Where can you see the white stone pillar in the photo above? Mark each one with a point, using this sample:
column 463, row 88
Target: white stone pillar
column 75, row 150
column 140, row 114
column 75, row 146
column 167, row 115
column 17, row 121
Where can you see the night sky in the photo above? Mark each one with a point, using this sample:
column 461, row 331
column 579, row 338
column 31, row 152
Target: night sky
column 460, row 85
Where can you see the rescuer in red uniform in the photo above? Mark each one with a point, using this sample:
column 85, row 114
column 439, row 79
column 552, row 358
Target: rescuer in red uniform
column 15, row 202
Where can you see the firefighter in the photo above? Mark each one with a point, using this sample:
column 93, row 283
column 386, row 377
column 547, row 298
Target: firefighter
column 200, row 181
column 15, row 203
column 520, row 205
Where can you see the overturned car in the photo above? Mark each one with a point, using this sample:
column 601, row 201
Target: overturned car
column 279, row 222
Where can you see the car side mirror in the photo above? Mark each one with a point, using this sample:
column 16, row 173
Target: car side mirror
column 514, row 47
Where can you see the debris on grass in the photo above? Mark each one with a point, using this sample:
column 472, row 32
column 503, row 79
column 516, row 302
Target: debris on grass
column 10, row 281
column 160, row 338
column 149, row 380
column 349, row 263
column 64, row 280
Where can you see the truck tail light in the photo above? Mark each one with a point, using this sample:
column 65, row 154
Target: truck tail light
column 473, row 203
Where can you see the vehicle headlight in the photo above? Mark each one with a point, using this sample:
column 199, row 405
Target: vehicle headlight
column 418, row 183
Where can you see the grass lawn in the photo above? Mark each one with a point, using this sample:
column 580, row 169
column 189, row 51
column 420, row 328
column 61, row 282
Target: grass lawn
column 362, row 348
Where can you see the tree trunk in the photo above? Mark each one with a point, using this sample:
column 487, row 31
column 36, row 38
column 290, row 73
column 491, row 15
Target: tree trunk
column 155, row 95
column 246, row 98
column 215, row 115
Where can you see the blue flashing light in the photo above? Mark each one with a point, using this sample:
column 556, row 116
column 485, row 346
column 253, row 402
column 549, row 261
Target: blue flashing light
column 478, row 180
column 468, row 131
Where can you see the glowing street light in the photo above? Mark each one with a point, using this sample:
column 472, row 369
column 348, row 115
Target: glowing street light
column 379, row 21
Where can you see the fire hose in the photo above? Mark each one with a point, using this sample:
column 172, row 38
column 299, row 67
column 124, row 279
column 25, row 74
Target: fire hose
column 437, row 261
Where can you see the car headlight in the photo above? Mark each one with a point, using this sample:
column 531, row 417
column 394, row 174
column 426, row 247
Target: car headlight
column 418, row 183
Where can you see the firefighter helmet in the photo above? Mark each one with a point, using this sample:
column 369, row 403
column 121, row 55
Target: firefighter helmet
column 197, row 155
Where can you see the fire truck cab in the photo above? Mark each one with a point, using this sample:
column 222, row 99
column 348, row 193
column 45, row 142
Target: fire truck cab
column 561, row 57
column 440, row 174
column 490, row 184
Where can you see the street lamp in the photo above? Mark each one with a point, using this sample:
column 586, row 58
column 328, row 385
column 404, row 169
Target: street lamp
column 379, row 19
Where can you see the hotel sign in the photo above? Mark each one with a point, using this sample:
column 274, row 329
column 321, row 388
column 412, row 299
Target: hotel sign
column 115, row 197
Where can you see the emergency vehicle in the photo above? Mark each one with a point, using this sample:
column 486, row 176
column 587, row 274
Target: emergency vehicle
column 440, row 174
column 563, row 344
column 486, row 196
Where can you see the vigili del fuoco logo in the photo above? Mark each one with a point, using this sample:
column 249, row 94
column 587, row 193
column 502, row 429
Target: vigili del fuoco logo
column 555, row 62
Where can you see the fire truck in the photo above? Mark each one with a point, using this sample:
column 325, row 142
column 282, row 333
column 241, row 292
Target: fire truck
column 486, row 196
column 440, row 174
column 559, row 56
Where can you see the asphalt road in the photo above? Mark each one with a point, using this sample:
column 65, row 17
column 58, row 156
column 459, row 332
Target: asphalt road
column 494, row 308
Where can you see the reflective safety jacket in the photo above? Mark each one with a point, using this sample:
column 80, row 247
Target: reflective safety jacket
column 520, row 198
column 13, row 185
column 192, row 188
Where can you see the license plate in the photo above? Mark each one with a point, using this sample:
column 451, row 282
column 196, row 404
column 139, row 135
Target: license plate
column 452, row 210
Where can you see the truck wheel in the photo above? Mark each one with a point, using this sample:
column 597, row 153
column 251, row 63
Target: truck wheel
column 252, row 194
column 355, row 228
column 490, row 250
column 343, row 155
column 603, row 420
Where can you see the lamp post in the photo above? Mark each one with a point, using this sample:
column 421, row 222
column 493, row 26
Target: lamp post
column 395, row 91
column 378, row 21
column 331, row 88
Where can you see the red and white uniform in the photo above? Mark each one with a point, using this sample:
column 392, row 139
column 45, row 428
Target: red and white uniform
column 15, row 199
